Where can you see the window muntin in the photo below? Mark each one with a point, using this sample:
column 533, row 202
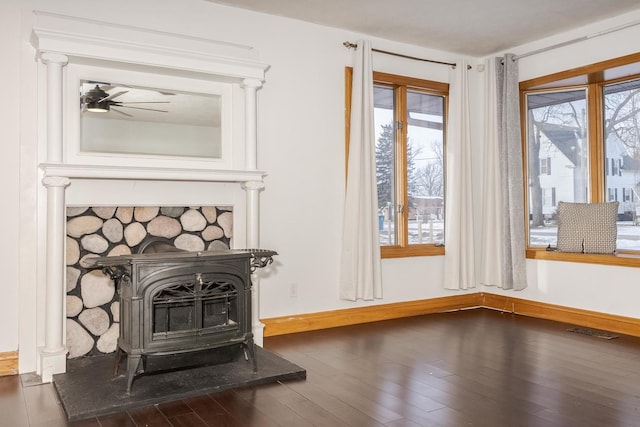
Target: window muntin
column 621, row 137
column 410, row 120
column 609, row 168
column 558, row 158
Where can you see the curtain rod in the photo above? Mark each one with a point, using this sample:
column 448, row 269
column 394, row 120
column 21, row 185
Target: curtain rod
column 350, row 45
column 576, row 40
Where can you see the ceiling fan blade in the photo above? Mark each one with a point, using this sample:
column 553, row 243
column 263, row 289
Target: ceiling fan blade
column 140, row 108
column 113, row 95
column 143, row 102
column 120, row 112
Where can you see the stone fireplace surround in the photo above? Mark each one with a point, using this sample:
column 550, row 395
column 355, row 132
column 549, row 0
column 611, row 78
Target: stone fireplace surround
column 59, row 41
column 92, row 303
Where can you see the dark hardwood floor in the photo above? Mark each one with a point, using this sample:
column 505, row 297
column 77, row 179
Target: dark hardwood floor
column 467, row 368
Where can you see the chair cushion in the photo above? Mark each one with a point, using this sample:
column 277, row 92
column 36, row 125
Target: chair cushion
column 587, row 227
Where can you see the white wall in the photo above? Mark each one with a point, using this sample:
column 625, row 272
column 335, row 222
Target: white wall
column 9, row 140
column 301, row 145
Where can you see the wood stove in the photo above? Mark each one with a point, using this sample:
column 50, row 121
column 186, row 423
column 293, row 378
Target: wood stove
column 181, row 308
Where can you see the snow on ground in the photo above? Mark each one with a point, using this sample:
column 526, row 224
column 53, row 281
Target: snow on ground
column 628, row 234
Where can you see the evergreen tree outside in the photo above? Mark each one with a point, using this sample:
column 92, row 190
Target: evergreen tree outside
column 413, row 184
column 385, row 166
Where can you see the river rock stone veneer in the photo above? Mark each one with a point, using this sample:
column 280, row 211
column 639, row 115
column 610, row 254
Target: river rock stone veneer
column 92, row 301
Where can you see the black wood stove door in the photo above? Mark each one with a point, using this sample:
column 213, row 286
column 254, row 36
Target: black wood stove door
column 196, row 311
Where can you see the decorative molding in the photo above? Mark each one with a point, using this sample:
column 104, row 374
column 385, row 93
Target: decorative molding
column 239, row 49
column 76, row 37
column 56, row 181
column 559, row 313
column 253, row 185
column 373, row 313
column 149, row 173
column 251, row 84
column 331, row 319
column 9, row 363
column 54, row 58
column 51, row 362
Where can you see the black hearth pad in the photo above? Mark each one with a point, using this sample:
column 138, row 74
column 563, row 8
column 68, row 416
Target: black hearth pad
column 89, row 389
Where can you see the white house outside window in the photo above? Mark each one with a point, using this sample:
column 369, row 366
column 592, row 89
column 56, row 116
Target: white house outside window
column 584, row 142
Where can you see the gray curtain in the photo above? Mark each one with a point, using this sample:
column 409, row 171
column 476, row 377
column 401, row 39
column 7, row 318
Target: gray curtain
column 512, row 236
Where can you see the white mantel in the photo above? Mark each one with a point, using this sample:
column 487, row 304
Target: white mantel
column 92, row 41
column 150, row 173
column 61, row 41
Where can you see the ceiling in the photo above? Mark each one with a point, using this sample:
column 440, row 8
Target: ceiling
column 470, row 27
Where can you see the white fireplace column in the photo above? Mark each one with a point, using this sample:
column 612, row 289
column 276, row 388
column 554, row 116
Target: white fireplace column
column 251, row 87
column 54, row 62
column 252, row 189
column 52, row 357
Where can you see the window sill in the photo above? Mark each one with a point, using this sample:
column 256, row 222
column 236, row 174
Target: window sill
column 413, row 251
column 620, row 259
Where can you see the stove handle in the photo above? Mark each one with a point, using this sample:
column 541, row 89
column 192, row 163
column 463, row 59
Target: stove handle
column 116, row 273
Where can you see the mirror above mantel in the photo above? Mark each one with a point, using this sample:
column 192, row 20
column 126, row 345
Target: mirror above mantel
column 117, row 116
column 207, row 87
column 121, row 119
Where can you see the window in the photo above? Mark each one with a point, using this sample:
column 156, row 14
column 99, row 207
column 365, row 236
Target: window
column 588, row 126
column 550, row 197
column 627, row 195
column 545, row 166
column 410, row 123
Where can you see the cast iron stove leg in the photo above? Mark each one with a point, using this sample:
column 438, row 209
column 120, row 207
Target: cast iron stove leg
column 250, row 353
column 116, row 368
column 133, row 366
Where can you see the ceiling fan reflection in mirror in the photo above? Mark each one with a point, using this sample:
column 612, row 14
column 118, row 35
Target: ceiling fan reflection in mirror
column 98, row 100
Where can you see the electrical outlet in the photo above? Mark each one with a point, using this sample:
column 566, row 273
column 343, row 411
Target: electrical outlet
column 293, row 290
